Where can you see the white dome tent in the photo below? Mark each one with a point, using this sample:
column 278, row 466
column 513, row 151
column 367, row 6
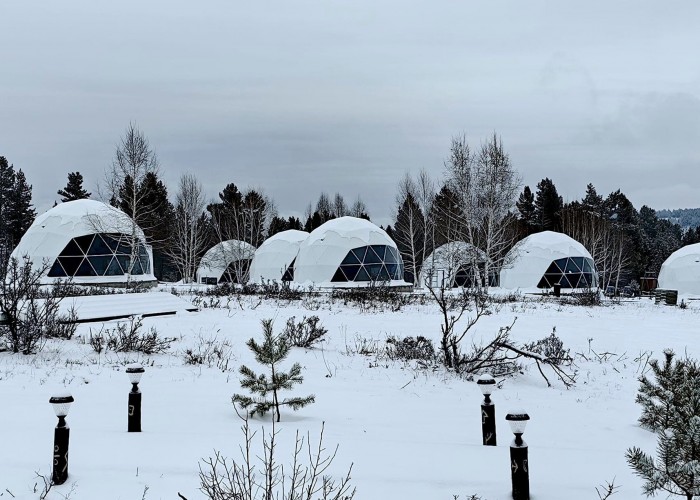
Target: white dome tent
column 227, row 261
column 274, row 258
column 451, row 265
column 89, row 243
column 348, row 252
column 681, row 271
column 544, row 259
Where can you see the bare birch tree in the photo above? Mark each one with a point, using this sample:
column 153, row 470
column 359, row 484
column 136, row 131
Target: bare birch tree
column 189, row 230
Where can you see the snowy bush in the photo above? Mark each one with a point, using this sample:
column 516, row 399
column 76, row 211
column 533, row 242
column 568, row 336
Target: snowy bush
column 128, row 337
column 410, row 348
column 259, row 475
column 550, row 347
column 31, row 315
column 376, row 297
column 305, row 333
column 210, row 352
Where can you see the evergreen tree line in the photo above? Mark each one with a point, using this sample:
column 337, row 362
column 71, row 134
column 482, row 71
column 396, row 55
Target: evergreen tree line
column 626, row 244
column 477, row 201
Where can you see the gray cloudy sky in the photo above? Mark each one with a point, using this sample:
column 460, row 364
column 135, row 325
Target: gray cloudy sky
column 302, row 96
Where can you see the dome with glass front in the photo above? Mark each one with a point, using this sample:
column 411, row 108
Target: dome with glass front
column 545, row 259
column 88, row 243
column 348, row 252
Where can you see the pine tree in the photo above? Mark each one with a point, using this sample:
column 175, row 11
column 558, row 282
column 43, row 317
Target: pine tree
column 74, row 189
column 592, row 202
column 20, row 213
column 670, row 408
column 548, row 205
column 270, row 353
column 7, row 182
column 526, row 207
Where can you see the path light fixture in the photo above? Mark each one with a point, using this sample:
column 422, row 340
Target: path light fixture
column 134, row 371
column 61, row 404
column 487, row 384
column 519, row 466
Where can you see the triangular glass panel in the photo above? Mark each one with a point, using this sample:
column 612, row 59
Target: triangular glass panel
column 124, row 248
column 350, row 258
column 114, row 269
column 84, row 242
column 137, row 269
column 384, row 274
column 338, row 277
column 553, row 268
column 72, row 250
column 373, row 270
column 393, row 270
column 372, row 257
column 70, row 264
column 85, row 269
column 544, row 283
column 564, row 282
column 99, row 247
column 360, row 253
column 587, row 266
column 350, row 271
column 380, row 250
column 124, row 262
column 112, row 240
column 362, row 275
column 100, row 263
column 56, row 271
column 571, row 267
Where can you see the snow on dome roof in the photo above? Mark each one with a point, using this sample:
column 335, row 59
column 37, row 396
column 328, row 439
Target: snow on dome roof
column 55, row 228
column 446, row 260
column 681, row 271
column 528, row 260
column 274, row 256
column 217, row 259
column 321, row 253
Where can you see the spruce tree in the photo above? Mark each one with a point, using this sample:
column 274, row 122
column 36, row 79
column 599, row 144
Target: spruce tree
column 670, row 408
column 270, row 353
column 74, row 189
column 526, row 207
column 548, row 206
column 20, row 213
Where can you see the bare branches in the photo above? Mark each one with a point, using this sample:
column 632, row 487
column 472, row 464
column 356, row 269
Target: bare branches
column 306, row 477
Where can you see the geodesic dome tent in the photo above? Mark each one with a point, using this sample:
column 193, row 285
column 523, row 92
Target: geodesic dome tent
column 89, row 243
column 348, row 251
column 681, row 271
column 274, row 259
column 226, row 262
column 452, row 265
column 544, row 259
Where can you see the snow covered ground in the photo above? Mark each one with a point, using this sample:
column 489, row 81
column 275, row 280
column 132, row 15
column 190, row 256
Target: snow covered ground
column 409, row 433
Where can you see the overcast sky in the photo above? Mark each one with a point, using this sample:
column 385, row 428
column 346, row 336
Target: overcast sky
column 299, row 97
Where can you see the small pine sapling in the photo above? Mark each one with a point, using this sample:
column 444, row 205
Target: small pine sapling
column 270, row 353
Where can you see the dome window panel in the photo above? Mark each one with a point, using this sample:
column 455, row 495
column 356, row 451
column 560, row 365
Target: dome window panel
column 350, row 271
column 338, row 277
column 380, row 250
column 384, row 274
column 70, row 264
column 124, row 248
column 85, row 269
column 72, row 250
column 124, row 262
column 112, row 241
column 57, row 271
column 553, row 268
column 84, row 242
column 351, row 258
column 289, row 273
column 99, row 247
column 99, row 263
column 373, row 270
column 362, row 275
column 114, row 269
column 371, row 257
column 360, row 253
column 137, row 269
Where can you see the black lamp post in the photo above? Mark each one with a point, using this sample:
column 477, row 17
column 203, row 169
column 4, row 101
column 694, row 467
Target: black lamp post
column 134, row 371
column 61, row 404
column 488, row 410
column 519, row 466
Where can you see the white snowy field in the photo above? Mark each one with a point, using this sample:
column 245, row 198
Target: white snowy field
column 409, row 433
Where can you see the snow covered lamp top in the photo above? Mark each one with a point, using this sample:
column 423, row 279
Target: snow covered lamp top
column 134, row 371
column 61, row 403
column 517, row 420
column 487, row 384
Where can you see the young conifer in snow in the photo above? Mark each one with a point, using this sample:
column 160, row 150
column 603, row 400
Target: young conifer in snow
column 671, row 398
column 270, row 353
column 671, row 408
